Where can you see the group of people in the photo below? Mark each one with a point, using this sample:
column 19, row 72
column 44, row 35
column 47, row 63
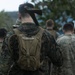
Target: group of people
column 66, row 42
column 31, row 50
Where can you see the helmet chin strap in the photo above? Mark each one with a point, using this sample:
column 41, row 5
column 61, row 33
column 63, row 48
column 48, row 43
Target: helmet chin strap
column 32, row 14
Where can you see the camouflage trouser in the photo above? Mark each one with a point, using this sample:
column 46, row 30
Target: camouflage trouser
column 15, row 70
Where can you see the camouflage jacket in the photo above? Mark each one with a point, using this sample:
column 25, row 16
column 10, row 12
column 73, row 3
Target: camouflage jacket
column 49, row 50
column 0, row 57
column 54, row 33
column 67, row 43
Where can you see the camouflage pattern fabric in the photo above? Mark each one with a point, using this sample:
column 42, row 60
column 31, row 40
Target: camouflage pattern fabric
column 0, row 58
column 50, row 51
column 54, row 33
column 67, row 43
column 5, row 60
column 1, row 47
column 3, row 66
column 3, row 63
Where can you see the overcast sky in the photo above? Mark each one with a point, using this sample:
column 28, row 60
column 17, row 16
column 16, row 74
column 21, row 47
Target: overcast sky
column 11, row 5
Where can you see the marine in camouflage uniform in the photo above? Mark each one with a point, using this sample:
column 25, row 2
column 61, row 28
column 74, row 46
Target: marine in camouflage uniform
column 50, row 51
column 3, row 32
column 55, row 34
column 4, row 54
column 67, row 43
column 50, row 28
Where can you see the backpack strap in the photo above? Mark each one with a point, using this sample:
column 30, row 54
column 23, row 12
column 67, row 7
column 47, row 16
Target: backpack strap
column 39, row 34
column 16, row 31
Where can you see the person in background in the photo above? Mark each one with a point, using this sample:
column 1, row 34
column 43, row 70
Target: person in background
column 3, row 33
column 50, row 26
column 67, row 44
column 71, row 22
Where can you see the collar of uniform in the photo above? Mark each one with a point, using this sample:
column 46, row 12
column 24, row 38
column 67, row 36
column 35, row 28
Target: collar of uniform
column 68, row 34
column 29, row 28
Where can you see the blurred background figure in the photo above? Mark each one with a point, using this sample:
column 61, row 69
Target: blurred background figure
column 3, row 33
column 50, row 26
column 67, row 44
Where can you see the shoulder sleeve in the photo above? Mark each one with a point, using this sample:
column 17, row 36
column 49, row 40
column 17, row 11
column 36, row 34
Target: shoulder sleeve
column 52, row 50
column 5, row 58
column 13, row 47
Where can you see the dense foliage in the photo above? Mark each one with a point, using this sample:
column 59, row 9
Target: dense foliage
column 5, row 20
column 61, row 11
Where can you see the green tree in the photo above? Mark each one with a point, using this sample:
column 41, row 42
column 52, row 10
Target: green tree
column 61, row 11
column 5, row 20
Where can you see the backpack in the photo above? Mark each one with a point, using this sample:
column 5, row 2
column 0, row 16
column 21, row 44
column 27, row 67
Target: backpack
column 29, row 50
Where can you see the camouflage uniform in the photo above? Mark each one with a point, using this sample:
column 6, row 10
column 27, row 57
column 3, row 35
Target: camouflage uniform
column 49, row 51
column 67, row 43
column 0, row 58
column 3, row 66
column 54, row 33
column 4, row 58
